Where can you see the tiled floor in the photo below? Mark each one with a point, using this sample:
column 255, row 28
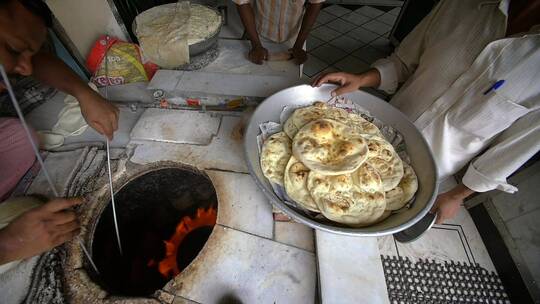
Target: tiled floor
column 349, row 38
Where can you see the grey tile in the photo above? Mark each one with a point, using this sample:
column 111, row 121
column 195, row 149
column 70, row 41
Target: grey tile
column 351, row 64
column 395, row 11
column 387, row 18
column 362, row 35
column 368, row 54
column 313, row 66
column 294, row 234
column 325, row 17
column 328, row 53
column 341, row 26
column 241, row 205
column 251, row 268
column 350, row 269
column 382, row 44
column 313, row 42
column 346, row 43
column 377, row 27
column 336, row 10
column 369, row 11
column 355, row 18
column 325, row 33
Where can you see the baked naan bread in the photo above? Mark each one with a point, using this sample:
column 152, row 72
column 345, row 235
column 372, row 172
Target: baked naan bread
column 385, row 160
column 362, row 125
column 318, row 110
column 330, row 147
column 404, row 192
column 355, row 199
column 295, row 181
column 275, row 154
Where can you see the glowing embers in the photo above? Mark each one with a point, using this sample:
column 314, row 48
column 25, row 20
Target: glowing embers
column 183, row 241
column 165, row 217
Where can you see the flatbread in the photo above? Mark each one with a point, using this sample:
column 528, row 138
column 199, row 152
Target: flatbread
column 355, row 199
column 329, row 147
column 275, row 154
column 385, row 160
column 404, row 192
column 318, row 110
column 295, row 182
column 362, row 125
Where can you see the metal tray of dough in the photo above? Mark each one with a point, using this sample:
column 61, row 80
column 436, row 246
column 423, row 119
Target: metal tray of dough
column 417, row 148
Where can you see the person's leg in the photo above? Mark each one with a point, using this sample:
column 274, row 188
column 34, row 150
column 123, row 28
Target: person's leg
column 16, row 155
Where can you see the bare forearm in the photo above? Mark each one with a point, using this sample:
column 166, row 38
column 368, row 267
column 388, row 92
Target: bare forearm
column 54, row 72
column 248, row 20
column 460, row 192
column 310, row 16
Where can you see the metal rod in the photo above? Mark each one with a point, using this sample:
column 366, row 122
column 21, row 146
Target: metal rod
column 108, row 152
column 36, row 152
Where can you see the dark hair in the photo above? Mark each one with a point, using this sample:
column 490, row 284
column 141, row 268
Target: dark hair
column 36, row 7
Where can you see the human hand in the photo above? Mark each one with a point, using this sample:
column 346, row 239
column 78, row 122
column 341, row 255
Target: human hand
column 39, row 230
column 349, row 82
column 299, row 55
column 447, row 204
column 258, row 54
column 99, row 113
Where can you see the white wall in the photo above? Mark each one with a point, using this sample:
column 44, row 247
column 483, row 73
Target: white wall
column 85, row 20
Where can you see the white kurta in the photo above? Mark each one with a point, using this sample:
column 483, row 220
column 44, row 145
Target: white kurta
column 446, row 64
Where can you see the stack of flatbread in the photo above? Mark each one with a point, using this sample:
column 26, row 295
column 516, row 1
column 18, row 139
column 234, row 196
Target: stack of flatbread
column 339, row 164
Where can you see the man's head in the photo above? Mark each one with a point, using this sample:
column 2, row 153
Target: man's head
column 23, row 29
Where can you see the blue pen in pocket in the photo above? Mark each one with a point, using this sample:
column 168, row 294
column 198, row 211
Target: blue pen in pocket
column 495, row 86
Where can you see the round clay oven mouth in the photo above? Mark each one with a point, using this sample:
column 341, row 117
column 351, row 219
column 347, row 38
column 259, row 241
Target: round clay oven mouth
column 165, row 216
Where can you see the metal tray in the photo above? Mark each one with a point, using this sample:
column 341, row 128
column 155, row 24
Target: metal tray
column 417, row 148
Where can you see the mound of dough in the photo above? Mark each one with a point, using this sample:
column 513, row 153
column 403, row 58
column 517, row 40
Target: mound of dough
column 385, row 160
column 355, row 199
column 330, row 147
column 404, row 192
column 318, row 110
column 275, row 154
column 295, row 181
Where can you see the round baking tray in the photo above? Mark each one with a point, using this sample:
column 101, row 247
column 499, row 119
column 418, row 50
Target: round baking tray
column 417, row 148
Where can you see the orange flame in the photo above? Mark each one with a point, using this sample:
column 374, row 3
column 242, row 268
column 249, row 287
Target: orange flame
column 168, row 266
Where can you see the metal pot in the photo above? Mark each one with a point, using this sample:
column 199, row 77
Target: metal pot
column 199, row 47
column 421, row 159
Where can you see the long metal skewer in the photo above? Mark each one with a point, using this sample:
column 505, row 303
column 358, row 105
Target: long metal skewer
column 36, row 152
column 108, row 151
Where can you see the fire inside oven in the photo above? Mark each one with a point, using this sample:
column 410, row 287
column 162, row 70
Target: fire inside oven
column 165, row 217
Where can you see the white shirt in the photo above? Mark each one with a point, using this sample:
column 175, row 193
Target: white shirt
column 446, row 64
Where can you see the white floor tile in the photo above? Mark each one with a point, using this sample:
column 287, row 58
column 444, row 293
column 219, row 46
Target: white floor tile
column 249, row 269
column 325, row 17
column 341, row 26
column 355, row 18
column 368, row 54
column 313, row 65
column 242, row 205
column 351, row 64
column 350, row 269
column 294, row 234
column 369, row 11
column 362, row 35
column 387, row 245
column 346, row 43
column 382, row 44
column 313, row 42
column 387, row 18
column 395, row 11
column 336, row 10
column 325, row 33
column 328, row 53
column 377, row 27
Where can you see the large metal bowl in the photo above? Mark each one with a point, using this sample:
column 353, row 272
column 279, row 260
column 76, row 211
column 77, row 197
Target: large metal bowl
column 421, row 159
